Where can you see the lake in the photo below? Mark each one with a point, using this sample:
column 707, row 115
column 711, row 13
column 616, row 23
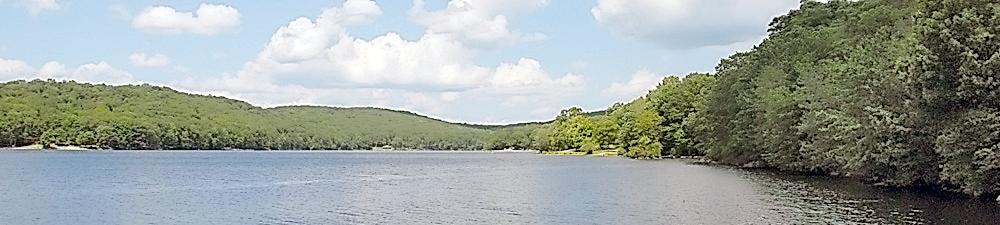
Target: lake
column 187, row 187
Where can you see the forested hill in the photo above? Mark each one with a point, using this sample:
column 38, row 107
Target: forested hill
column 150, row 117
column 527, row 124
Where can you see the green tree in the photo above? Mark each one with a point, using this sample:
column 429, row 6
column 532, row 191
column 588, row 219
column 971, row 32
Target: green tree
column 956, row 78
column 639, row 131
column 677, row 101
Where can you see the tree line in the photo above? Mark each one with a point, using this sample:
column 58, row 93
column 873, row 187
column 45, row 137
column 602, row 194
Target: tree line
column 138, row 117
column 897, row 92
column 668, row 121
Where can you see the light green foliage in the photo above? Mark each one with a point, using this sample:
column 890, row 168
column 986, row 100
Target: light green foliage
column 148, row 117
column 605, row 132
column 571, row 130
column 632, row 129
column 575, row 130
column 639, row 130
column 678, row 101
column 540, row 138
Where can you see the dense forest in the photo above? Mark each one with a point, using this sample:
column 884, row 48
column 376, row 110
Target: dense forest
column 898, row 92
column 149, row 117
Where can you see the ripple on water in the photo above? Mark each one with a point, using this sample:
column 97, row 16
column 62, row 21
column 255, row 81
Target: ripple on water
column 436, row 188
column 798, row 201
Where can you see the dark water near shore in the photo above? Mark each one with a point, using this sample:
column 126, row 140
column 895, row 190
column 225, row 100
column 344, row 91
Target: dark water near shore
column 439, row 188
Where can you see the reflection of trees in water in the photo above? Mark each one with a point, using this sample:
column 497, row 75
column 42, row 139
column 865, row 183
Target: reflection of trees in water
column 808, row 200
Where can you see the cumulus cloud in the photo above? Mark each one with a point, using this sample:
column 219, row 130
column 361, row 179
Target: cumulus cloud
column 527, row 77
column 13, row 68
column 305, row 39
column 208, row 19
column 100, row 72
column 145, row 60
column 37, row 6
column 317, row 61
column 483, row 22
column 682, row 24
column 304, row 48
column 640, row 84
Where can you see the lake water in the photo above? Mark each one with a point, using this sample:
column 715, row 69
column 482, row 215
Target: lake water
column 439, row 188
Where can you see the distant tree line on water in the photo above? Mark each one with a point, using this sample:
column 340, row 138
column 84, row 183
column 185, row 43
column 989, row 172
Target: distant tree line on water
column 149, row 117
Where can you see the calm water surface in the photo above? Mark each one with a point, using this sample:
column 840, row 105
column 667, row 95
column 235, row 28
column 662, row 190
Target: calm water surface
column 438, row 188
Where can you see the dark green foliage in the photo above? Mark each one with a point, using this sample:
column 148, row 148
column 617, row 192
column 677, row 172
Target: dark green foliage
column 148, row 117
column 970, row 152
column 897, row 92
column 515, row 137
column 956, row 79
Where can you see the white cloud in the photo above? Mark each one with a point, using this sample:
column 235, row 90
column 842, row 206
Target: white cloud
column 100, row 72
column 640, row 84
column 681, row 24
column 209, row 19
column 37, row 6
column 324, row 47
column 527, row 78
column 304, row 48
column 305, row 39
column 13, row 68
column 318, row 62
column 144, row 60
column 483, row 22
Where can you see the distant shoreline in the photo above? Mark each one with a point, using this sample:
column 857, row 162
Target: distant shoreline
column 82, row 149
column 39, row 147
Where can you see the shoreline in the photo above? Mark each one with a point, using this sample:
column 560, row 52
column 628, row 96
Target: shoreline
column 86, row 149
column 751, row 167
column 600, row 153
column 693, row 160
column 39, row 147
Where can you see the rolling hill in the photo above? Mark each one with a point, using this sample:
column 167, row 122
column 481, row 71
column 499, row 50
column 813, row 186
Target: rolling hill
column 151, row 117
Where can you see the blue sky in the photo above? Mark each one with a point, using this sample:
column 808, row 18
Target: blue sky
column 484, row 61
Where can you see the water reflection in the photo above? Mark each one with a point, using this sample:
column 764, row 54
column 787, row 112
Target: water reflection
column 439, row 188
column 824, row 200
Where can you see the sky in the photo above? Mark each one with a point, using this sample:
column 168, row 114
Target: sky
column 478, row 61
